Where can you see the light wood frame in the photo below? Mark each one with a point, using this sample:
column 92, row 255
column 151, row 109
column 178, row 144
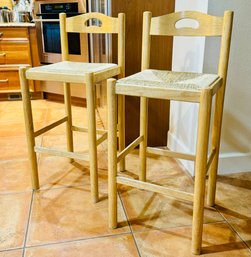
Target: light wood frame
column 165, row 25
column 77, row 24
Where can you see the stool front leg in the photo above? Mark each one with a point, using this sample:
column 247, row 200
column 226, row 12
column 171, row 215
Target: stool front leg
column 216, row 131
column 68, row 112
column 112, row 153
column 29, row 127
column 200, row 169
column 143, row 132
column 121, row 128
column 92, row 138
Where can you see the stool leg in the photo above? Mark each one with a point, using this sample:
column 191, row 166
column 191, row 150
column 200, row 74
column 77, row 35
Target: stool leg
column 68, row 112
column 143, row 132
column 212, row 174
column 92, row 136
column 29, row 127
column 112, row 153
column 200, row 169
column 121, row 128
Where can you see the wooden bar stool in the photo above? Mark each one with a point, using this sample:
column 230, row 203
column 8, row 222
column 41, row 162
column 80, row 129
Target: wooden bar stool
column 76, row 72
column 178, row 86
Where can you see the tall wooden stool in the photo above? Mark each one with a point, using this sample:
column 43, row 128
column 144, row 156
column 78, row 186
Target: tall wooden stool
column 76, row 72
column 178, row 86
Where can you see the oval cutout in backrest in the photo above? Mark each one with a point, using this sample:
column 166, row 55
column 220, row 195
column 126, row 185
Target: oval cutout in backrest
column 187, row 23
column 93, row 22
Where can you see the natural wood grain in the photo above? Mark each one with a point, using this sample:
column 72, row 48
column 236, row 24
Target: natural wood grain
column 61, row 153
column 80, row 24
column 49, row 127
column 169, row 153
column 200, row 169
column 155, row 188
column 112, row 153
column 29, row 128
column 129, row 148
column 90, row 93
column 166, row 24
column 218, row 113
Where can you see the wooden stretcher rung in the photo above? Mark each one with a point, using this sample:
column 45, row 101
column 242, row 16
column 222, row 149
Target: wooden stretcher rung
column 49, row 127
column 169, row 153
column 79, row 129
column 101, row 139
column 52, row 151
column 129, row 148
column 210, row 158
column 155, row 188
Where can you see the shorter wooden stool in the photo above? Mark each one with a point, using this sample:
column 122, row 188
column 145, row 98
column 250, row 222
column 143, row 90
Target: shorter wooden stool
column 178, row 86
column 87, row 74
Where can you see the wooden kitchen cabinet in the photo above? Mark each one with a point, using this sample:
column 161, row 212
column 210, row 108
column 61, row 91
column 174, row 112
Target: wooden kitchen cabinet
column 160, row 59
column 18, row 47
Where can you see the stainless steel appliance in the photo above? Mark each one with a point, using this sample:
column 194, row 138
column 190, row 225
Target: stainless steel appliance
column 47, row 23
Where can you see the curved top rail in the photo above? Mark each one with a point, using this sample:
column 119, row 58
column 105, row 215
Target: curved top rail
column 166, row 24
column 80, row 23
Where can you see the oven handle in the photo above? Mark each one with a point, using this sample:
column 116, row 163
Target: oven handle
column 45, row 20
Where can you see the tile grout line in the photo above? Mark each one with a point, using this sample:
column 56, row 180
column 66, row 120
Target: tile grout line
column 28, row 224
column 129, row 223
column 233, row 229
column 75, row 240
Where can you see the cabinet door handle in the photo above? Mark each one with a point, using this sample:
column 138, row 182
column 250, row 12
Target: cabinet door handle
column 4, row 80
column 2, row 54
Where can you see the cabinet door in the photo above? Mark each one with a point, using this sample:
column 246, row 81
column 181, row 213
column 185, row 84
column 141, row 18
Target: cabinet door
column 15, row 52
column 9, row 80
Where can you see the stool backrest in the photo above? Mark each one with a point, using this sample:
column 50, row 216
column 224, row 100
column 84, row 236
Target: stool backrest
column 206, row 25
column 84, row 23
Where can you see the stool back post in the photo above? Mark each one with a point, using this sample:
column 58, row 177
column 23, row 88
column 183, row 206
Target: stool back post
column 146, row 41
column 219, row 103
column 121, row 44
column 63, row 37
column 121, row 98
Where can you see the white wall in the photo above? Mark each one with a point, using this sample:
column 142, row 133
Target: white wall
column 189, row 55
column 236, row 130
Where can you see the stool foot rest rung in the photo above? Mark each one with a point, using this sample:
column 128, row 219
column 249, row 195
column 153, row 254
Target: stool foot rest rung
column 102, row 139
column 169, row 153
column 129, row 148
column 173, row 193
column 49, row 127
column 80, row 129
column 52, row 151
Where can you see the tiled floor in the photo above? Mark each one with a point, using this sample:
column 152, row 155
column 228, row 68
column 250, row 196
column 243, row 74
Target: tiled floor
column 60, row 220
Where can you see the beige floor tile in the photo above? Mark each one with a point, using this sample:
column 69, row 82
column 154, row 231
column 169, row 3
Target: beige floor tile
column 115, row 246
column 14, row 176
column 56, row 171
column 234, row 196
column 16, row 129
column 147, row 210
column 14, row 253
column 13, row 148
column 218, row 241
column 14, row 210
column 243, row 228
column 17, row 116
column 67, row 214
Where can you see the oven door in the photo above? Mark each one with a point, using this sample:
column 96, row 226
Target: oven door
column 48, row 33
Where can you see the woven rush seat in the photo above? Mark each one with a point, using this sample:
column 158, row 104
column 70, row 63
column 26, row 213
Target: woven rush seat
column 169, row 80
column 68, row 71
